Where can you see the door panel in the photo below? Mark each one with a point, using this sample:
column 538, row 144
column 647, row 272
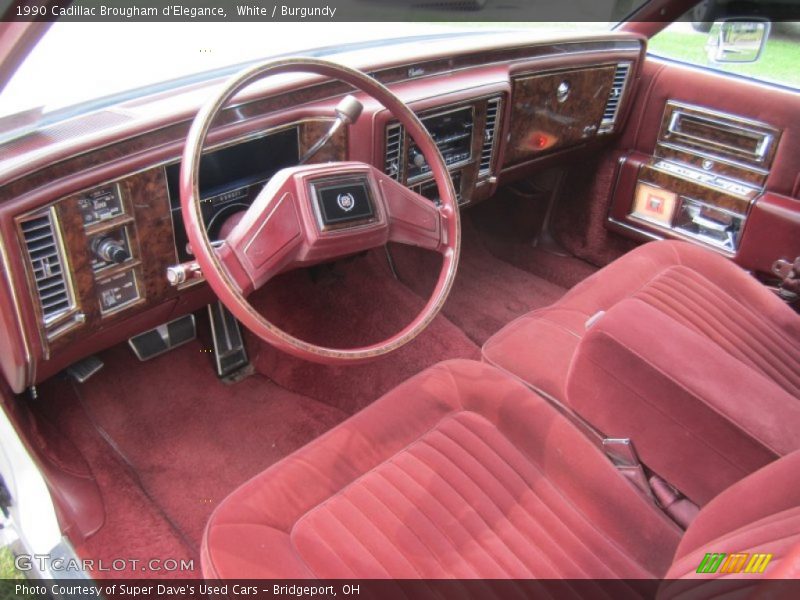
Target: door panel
column 733, row 161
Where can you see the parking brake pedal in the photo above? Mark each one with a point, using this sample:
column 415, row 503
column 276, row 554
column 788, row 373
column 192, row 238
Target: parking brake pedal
column 163, row 338
column 230, row 355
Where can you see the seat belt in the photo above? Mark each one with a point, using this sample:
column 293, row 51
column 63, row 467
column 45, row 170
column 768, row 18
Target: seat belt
column 623, row 455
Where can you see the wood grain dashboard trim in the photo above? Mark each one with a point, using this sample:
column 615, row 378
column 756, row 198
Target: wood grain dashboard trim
column 145, row 199
column 547, row 122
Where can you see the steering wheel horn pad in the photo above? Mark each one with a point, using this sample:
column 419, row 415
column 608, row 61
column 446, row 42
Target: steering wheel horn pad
column 285, row 226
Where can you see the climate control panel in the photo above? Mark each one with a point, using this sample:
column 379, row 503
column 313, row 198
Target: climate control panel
column 110, row 234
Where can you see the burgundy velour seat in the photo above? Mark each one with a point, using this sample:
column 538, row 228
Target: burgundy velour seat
column 464, row 472
column 677, row 348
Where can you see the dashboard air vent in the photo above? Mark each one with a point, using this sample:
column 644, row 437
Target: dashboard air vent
column 489, row 134
column 394, row 148
column 47, row 265
column 614, row 98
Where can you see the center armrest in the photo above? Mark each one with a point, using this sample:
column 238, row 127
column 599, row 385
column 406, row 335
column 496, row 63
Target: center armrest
column 641, row 374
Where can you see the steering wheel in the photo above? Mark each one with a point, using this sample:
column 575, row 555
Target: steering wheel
column 315, row 213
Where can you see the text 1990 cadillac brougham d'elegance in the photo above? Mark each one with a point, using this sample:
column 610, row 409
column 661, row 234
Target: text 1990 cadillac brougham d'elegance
column 445, row 300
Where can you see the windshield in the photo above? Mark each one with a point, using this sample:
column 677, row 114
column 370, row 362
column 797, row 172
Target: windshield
column 78, row 63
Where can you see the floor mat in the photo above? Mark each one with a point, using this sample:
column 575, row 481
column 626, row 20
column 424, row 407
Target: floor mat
column 190, row 438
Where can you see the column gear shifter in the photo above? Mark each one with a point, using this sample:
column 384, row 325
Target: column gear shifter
column 347, row 111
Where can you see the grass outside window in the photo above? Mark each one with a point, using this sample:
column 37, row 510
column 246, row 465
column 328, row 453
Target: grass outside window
column 778, row 63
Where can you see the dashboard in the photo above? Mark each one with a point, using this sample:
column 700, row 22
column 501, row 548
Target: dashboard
column 90, row 210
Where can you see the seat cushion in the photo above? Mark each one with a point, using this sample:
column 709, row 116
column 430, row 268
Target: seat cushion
column 763, row 508
column 695, row 287
column 459, row 472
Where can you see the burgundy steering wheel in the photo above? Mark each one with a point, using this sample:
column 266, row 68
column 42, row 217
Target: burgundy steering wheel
column 310, row 214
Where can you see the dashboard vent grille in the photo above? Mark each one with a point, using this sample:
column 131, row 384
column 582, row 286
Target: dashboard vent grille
column 489, row 134
column 47, row 266
column 394, row 149
column 614, row 98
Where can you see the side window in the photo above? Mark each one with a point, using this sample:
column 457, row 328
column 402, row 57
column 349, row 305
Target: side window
column 694, row 39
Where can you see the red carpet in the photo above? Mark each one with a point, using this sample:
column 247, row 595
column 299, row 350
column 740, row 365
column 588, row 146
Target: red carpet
column 132, row 521
column 354, row 303
column 580, row 214
column 190, row 439
column 488, row 292
column 184, row 440
column 515, row 245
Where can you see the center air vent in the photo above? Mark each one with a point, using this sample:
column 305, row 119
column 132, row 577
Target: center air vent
column 47, row 265
column 489, row 135
column 614, row 98
column 394, row 147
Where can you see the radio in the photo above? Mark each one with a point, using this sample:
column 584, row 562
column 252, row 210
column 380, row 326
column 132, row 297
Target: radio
column 452, row 132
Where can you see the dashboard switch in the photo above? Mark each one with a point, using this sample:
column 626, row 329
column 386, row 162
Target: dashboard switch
column 117, row 291
column 417, row 158
column 100, row 204
column 179, row 274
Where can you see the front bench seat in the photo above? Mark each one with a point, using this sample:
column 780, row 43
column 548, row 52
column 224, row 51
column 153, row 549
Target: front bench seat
column 462, row 472
column 677, row 348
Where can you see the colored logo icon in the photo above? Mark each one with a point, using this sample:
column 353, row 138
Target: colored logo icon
column 737, row 562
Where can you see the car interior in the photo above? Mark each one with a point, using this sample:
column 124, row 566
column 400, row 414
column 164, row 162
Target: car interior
column 487, row 307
